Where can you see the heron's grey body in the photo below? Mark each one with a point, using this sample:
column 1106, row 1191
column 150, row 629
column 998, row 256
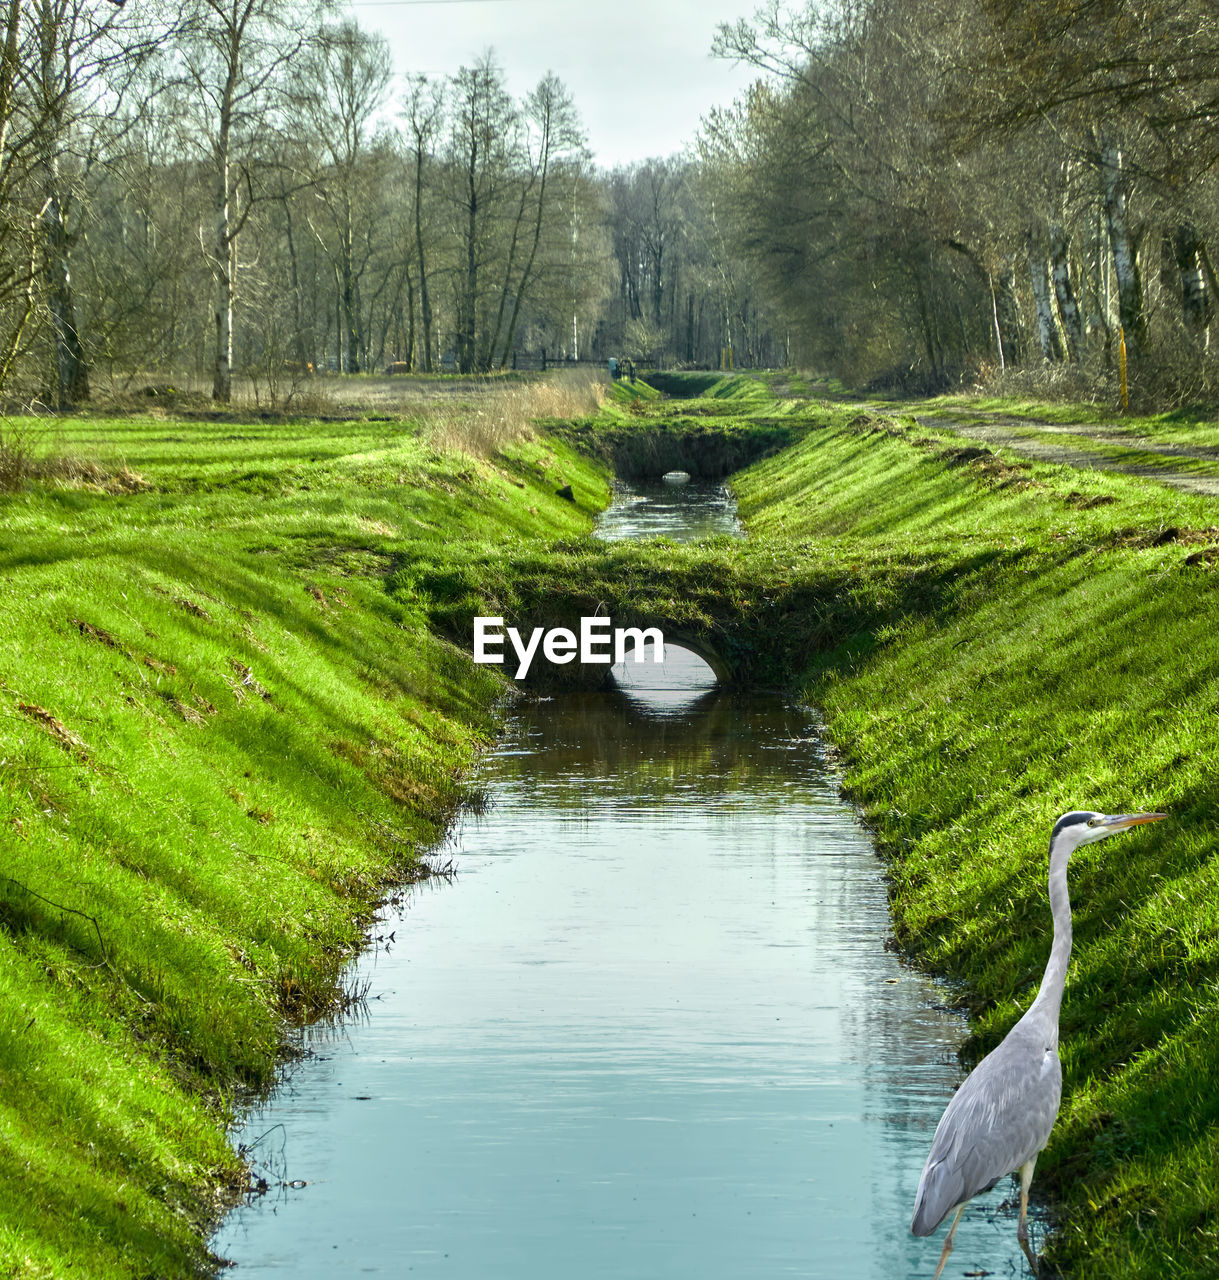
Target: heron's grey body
column 976, row 1144
column 1001, row 1117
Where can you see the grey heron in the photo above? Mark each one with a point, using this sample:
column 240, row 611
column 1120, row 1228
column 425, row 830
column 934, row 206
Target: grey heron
column 1000, row 1119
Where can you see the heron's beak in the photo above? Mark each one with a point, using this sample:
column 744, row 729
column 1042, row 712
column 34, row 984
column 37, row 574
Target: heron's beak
column 1121, row 821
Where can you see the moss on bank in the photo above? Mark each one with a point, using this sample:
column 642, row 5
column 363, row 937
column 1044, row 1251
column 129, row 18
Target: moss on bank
column 220, row 740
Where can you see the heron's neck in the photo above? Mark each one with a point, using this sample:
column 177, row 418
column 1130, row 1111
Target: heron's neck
column 1049, row 997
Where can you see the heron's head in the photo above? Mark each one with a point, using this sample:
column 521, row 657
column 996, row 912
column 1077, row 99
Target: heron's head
column 1085, row 827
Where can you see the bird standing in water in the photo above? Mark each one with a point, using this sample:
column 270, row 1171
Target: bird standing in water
column 1000, row 1119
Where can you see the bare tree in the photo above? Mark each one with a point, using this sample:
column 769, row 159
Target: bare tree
column 482, row 149
column 66, row 64
column 136, row 266
column 344, row 83
column 556, row 135
column 237, row 55
column 19, row 130
column 424, row 119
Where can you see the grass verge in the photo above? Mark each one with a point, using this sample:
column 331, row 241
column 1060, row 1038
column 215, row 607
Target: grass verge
column 221, row 739
column 1068, row 659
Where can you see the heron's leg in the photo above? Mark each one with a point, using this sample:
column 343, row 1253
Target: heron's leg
column 948, row 1242
column 1022, row 1231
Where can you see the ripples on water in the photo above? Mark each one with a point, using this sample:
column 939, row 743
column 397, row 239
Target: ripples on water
column 651, row 1033
column 683, row 512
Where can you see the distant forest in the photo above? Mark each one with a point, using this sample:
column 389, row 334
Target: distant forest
column 910, row 197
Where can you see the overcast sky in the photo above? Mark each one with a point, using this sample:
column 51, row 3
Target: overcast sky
column 639, row 70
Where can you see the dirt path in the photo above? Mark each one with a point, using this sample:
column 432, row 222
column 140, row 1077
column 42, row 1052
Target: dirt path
column 1028, row 437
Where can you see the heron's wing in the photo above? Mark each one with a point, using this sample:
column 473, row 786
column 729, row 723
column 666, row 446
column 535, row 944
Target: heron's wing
column 998, row 1120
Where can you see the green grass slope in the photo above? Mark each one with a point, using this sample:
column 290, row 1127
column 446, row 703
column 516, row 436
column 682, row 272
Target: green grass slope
column 707, row 385
column 1067, row 657
column 221, row 739
column 706, row 424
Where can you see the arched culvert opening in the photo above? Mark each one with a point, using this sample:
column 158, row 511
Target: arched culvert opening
column 673, row 686
column 567, row 654
column 695, row 646
column 648, row 450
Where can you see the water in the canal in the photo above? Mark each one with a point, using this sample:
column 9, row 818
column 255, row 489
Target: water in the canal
column 651, row 1033
column 684, row 512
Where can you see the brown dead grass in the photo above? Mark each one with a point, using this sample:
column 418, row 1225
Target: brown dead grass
column 507, row 412
column 61, row 734
column 189, row 606
column 25, row 457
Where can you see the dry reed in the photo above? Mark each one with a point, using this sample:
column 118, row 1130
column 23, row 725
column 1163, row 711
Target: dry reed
column 506, row 413
column 25, row 456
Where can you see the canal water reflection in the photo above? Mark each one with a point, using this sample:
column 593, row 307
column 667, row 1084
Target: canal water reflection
column 683, row 512
column 652, row 1032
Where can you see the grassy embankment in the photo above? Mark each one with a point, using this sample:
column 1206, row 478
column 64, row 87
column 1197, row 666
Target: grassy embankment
column 220, row 741
column 1181, row 443
column 717, row 426
column 993, row 642
column 1066, row 658
column 728, row 592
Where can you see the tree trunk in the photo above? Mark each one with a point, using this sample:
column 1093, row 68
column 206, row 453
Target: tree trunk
column 1068, row 307
column 1195, row 297
column 338, row 323
column 71, row 377
column 225, row 272
column 533, row 251
column 468, row 305
column 10, row 67
column 302, row 346
column 1047, row 326
column 633, row 304
column 410, row 332
column 425, row 301
column 928, row 331
column 71, row 370
column 20, row 297
column 1011, row 327
column 351, row 320
column 1125, row 251
column 224, row 246
column 490, row 343
column 996, row 331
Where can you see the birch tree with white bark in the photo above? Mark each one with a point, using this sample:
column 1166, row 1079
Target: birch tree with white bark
column 238, row 56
